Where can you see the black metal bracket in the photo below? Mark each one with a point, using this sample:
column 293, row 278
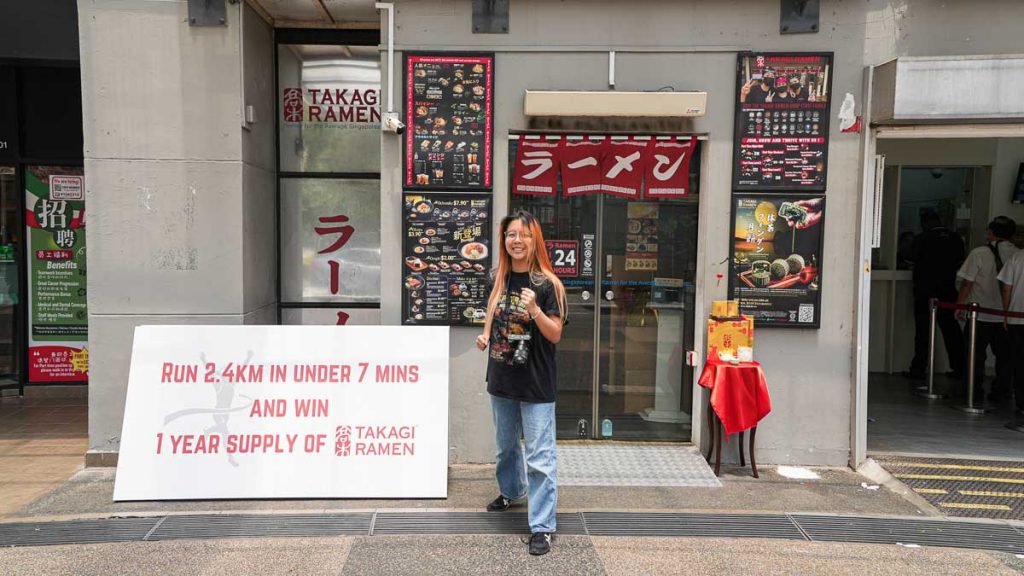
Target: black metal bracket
column 799, row 16
column 490, row 16
column 207, row 13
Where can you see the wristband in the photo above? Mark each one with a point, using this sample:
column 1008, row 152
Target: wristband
column 534, row 316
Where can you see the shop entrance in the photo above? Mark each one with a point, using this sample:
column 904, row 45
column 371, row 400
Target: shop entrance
column 628, row 267
column 962, row 184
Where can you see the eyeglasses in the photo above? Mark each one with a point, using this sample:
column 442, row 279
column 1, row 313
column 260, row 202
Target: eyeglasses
column 513, row 235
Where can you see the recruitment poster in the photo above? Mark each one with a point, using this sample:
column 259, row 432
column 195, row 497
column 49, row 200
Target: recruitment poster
column 775, row 270
column 782, row 121
column 446, row 258
column 449, row 112
column 58, row 318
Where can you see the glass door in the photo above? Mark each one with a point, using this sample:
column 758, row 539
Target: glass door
column 570, row 229
column 648, row 254
column 10, row 249
column 629, row 268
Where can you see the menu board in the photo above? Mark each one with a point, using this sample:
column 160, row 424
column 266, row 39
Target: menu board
column 448, row 109
column 446, row 258
column 782, row 121
column 775, row 269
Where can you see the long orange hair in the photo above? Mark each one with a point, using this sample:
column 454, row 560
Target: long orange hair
column 540, row 265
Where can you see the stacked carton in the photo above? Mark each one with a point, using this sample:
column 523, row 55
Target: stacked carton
column 728, row 330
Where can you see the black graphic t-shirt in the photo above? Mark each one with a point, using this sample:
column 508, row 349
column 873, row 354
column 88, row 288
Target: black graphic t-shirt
column 534, row 381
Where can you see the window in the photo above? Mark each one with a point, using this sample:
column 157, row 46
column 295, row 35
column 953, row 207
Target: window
column 329, row 178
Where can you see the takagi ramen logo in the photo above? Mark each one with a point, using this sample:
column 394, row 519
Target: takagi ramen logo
column 341, row 105
column 375, row 441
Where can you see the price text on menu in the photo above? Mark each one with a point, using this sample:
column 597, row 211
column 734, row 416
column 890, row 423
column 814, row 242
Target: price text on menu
column 782, row 121
column 446, row 258
column 448, row 109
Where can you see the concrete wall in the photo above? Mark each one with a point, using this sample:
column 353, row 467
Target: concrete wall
column 180, row 194
column 688, row 45
column 939, row 28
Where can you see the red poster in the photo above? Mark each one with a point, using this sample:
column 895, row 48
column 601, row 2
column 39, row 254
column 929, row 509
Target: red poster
column 581, row 166
column 622, row 168
column 668, row 167
column 536, row 170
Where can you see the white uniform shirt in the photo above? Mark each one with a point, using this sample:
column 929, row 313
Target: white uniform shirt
column 1013, row 275
column 980, row 268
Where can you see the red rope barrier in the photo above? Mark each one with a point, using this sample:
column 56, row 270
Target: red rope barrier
column 969, row 307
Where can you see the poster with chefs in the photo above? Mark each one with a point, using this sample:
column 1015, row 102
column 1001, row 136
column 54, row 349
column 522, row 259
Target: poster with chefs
column 782, row 121
column 775, row 268
column 449, row 113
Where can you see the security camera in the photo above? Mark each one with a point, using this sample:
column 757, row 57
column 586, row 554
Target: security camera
column 391, row 123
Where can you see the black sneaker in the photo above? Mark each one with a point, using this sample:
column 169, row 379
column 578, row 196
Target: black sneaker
column 500, row 504
column 540, row 543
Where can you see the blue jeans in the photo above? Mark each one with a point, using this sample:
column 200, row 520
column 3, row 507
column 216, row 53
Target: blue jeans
column 532, row 474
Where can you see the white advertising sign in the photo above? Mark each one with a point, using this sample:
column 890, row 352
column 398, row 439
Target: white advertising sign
column 285, row 412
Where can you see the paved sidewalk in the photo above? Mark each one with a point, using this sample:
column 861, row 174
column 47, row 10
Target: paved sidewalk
column 42, row 443
column 89, row 493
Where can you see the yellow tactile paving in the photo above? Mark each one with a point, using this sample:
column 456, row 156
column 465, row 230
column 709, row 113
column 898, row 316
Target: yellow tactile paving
column 957, row 467
column 960, row 478
column 930, row 491
column 1000, row 507
column 990, row 494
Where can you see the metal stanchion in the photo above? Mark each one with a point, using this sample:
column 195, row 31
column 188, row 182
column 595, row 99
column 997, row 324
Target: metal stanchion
column 930, row 393
column 970, row 408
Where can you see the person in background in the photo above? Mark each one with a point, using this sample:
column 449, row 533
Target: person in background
column 780, row 94
column 978, row 285
column 797, row 92
column 526, row 300
column 1011, row 279
column 756, row 91
column 936, row 257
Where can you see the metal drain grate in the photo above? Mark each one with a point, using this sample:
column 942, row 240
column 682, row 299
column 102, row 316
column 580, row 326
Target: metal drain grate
column 922, row 532
column 948, row 533
column 393, row 523
column 699, row 525
column 255, row 526
column 75, row 531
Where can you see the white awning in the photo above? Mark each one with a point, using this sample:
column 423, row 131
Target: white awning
column 628, row 104
column 952, row 89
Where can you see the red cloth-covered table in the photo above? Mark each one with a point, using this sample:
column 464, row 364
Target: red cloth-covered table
column 739, row 398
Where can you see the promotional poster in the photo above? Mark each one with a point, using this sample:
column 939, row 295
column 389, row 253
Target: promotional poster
column 446, row 258
column 782, row 121
column 775, row 270
column 285, row 412
column 449, row 108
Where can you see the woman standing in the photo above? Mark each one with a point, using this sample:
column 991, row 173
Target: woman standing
column 525, row 313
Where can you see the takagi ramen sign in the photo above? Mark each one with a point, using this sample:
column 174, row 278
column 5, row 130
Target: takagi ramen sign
column 285, row 412
column 334, row 105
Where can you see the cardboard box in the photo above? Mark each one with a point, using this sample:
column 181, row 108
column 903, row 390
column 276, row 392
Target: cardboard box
column 725, row 309
column 728, row 335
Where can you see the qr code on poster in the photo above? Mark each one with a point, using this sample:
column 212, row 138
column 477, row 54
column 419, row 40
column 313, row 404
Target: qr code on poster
column 806, row 313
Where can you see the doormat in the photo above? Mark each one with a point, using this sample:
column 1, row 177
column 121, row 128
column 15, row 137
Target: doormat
column 633, row 465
